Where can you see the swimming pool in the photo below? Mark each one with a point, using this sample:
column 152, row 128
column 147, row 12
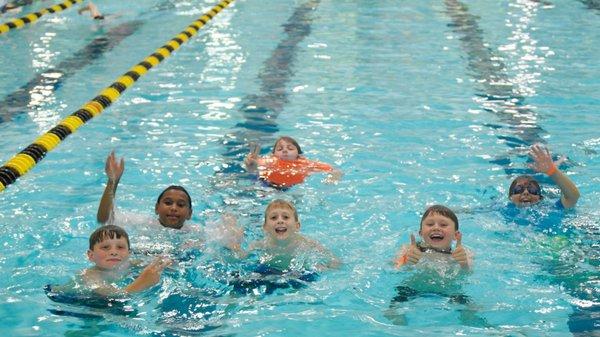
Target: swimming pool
column 417, row 102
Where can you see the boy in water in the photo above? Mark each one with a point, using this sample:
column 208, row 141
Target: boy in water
column 283, row 242
column 109, row 251
column 438, row 229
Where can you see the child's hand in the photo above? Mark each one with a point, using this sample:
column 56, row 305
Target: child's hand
column 542, row 160
column 251, row 160
column 114, row 170
column 150, row 275
column 232, row 234
column 460, row 254
column 414, row 253
column 333, row 177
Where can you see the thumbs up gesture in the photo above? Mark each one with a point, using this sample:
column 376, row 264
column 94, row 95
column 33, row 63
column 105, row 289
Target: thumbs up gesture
column 460, row 253
column 413, row 254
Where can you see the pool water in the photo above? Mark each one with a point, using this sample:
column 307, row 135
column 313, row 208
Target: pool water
column 416, row 102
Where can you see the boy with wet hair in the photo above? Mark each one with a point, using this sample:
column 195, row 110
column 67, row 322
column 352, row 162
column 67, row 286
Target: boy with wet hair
column 109, row 251
column 438, row 229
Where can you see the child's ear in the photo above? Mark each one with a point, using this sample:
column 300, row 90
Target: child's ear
column 297, row 225
column 90, row 254
column 189, row 216
column 156, row 209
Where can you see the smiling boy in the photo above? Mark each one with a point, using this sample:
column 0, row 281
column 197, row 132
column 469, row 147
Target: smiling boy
column 438, row 229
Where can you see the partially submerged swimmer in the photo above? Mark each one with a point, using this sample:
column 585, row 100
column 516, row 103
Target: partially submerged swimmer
column 525, row 191
column 283, row 244
column 438, row 230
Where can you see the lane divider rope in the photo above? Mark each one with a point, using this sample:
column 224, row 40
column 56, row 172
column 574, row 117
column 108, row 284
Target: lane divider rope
column 33, row 17
column 32, row 154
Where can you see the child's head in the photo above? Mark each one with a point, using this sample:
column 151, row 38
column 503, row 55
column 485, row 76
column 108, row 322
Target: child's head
column 525, row 191
column 439, row 226
column 286, row 148
column 281, row 220
column 108, row 246
column 174, row 207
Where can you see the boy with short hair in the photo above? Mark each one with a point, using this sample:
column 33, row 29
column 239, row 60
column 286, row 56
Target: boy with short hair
column 109, row 251
column 283, row 241
column 438, row 229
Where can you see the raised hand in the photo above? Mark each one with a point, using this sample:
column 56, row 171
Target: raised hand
column 113, row 168
column 251, row 160
column 460, row 253
column 413, row 254
column 542, row 160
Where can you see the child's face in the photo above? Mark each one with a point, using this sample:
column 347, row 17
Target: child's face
column 280, row 223
column 285, row 150
column 438, row 231
column 173, row 209
column 108, row 253
column 525, row 197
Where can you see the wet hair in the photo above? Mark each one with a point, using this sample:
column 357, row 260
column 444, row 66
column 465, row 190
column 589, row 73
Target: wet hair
column 108, row 232
column 289, row 140
column 529, row 179
column 280, row 203
column 443, row 211
column 177, row 188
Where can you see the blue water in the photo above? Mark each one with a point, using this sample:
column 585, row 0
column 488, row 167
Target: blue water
column 417, row 102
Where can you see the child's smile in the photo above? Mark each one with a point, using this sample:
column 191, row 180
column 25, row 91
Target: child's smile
column 438, row 231
column 280, row 224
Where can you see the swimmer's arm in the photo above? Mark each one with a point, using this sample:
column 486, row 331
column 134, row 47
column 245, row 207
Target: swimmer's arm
column 333, row 174
column 114, row 171
column 462, row 255
column 93, row 280
column 149, row 276
column 401, row 257
column 332, row 261
column 253, row 159
column 542, row 162
column 569, row 192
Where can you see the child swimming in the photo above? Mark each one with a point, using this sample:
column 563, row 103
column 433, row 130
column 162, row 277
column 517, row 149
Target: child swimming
column 286, row 166
column 109, row 251
column 438, row 267
column 173, row 206
column 438, row 229
column 283, row 243
column 525, row 191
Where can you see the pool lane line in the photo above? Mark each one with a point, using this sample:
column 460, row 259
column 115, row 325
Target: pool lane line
column 33, row 17
column 522, row 127
column 260, row 112
column 17, row 102
column 22, row 162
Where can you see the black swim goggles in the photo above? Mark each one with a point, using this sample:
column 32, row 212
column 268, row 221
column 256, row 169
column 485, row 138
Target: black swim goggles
column 531, row 187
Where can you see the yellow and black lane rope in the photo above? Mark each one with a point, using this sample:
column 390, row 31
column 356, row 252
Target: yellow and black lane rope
column 32, row 17
column 21, row 163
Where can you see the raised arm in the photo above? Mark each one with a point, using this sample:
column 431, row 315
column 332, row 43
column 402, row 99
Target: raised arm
column 114, row 170
column 543, row 163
